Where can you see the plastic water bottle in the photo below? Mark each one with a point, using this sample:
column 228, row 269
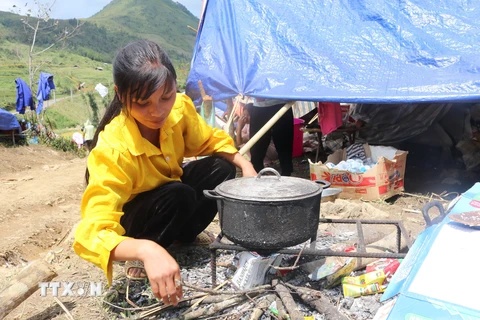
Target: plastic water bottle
column 330, row 165
column 343, row 165
column 369, row 162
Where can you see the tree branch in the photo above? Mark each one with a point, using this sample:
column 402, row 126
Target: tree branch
column 237, row 292
column 287, row 300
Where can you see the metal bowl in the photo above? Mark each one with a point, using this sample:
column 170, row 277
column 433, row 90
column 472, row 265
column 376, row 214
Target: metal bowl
column 331, row 194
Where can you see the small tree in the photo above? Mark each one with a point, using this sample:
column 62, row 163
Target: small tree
column 94, row 106
column 36, row 22
column 89, row 99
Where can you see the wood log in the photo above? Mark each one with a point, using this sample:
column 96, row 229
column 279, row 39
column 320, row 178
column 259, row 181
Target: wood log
column 24, row 285
column 287, row 300
column 214, row 308
column 318, row 301
column 282, row 313
column 262, row 306
column 323, row 306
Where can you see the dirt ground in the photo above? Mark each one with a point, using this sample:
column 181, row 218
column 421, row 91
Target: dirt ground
column 40, row 197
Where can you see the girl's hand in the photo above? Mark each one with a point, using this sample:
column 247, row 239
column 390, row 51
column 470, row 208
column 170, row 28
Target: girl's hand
column 249, row 171
column 163, row 272
column 240, row 162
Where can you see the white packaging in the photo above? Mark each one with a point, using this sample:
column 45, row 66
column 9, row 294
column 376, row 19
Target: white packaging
column 252, row 269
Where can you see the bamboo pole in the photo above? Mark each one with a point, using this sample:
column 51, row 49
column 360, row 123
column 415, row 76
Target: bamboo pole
column 207, row 101
column 229, row 124
column 265, row 128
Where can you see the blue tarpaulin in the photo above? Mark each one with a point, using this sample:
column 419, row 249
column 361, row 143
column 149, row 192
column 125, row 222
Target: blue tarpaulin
column 354, row 51
column 8, row 121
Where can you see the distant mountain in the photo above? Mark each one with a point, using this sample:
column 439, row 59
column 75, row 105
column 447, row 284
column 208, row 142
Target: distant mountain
column 162, row 21
column 120, row 22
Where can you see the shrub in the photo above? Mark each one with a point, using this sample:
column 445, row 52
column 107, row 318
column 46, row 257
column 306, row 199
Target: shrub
column 62, row 144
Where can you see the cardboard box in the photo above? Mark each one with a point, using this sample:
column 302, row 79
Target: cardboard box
column 382, row 181
column 438, row 278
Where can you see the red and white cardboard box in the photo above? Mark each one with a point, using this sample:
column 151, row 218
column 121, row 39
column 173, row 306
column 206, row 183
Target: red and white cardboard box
column 382, row 181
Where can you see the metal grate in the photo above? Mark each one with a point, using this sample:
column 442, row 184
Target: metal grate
column 219, row 244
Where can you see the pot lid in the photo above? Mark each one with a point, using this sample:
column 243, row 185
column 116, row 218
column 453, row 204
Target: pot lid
column 268, row 188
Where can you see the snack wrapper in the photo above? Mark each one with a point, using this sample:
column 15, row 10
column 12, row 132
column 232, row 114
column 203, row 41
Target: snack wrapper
column 365, row 284
column 389, row 267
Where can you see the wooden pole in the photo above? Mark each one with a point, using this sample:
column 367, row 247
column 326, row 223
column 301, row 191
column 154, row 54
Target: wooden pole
column 207, row 101
column 192, row 28
column 265, row 128
column 229, row 126
column 24, row 285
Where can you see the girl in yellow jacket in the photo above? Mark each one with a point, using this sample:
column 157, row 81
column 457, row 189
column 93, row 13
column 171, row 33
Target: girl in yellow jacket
column 140, row 197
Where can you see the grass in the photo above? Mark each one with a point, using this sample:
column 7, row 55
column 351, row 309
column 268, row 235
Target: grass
column 68, row 115
column 63, row 117
column 74, row 62
column 69, row 70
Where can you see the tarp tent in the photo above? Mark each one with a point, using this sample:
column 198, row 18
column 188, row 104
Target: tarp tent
column 9, row 126
column 8, row 121
column 353, row 51
column 356, row 51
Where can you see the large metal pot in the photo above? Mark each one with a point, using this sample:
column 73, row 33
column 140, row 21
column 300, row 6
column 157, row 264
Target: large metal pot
column 268, row 212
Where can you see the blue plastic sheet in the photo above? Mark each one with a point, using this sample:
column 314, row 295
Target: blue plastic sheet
column 353, row 51
column 8, row 121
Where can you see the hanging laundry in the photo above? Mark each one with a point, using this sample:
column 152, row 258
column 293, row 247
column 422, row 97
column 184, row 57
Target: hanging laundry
column 329, row 116
column 45, row 85
column 24, row 96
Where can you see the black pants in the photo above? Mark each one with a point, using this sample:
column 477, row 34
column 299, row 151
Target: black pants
column 177, row 210
column 281, row 132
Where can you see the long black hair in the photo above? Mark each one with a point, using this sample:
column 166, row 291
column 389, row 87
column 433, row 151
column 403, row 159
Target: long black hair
column 139, row 69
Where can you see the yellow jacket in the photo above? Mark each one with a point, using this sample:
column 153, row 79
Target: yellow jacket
column 124, row 164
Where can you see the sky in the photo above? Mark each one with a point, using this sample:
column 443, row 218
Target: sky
column 67, row 9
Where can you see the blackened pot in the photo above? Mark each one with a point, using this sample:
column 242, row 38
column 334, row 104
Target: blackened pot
column 268, row 212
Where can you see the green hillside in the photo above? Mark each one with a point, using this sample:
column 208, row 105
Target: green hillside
column 162, row 21
column 120, row 22
column 69, row 71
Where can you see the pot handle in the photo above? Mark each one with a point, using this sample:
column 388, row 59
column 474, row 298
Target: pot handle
column 260, row 174
column 426, row 216
column 211, row 194
column 325, row 184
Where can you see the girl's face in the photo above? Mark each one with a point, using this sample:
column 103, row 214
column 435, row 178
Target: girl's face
column 153, row 111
